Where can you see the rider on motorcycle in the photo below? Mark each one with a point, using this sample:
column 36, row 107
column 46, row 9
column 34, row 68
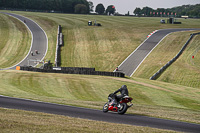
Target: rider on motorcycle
column 124, row 92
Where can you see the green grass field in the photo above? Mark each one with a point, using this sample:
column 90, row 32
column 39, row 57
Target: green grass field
column 105, row 48
column 15, row 41
column 99, row 46
column 152, row 98
column 26, row 122
column 186, row 68
column 185, row 71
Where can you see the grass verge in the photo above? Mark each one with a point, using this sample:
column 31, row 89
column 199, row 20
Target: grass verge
column 15, row 41
column 23, row 121
column 152, row 98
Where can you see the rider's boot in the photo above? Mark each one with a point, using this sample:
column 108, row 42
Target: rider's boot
column 118, row 105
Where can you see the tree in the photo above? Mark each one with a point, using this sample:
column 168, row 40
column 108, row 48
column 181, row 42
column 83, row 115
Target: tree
column 137, row 11
column 84, row 2
column 66, row 6
column 127, row 14
column 81, row 9
column 91, row 6
column 146, row 11
column 100, row 9
column 110, row 10
column 160, row 10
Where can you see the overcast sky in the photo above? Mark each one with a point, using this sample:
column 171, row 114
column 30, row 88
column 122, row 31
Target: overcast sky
column 123, row 6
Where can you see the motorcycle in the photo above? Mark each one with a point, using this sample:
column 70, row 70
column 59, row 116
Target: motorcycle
column 121, row 106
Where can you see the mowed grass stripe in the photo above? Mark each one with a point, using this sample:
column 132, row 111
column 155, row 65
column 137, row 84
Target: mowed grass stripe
column 162, row 54
column 92, row 92
column 26, row 121
column 16, row 41
column 107, row 46
column 185, row 70
column 151, row 98
column 4, row 32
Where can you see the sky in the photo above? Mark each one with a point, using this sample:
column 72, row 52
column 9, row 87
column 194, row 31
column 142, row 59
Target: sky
column 123, row 6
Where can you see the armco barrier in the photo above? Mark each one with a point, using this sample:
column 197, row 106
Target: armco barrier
column 73, row 70
column 59, row 43
column 77, row 69
column 159, row 72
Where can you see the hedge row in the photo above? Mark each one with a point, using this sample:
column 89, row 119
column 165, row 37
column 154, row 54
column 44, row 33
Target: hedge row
column 73, row 70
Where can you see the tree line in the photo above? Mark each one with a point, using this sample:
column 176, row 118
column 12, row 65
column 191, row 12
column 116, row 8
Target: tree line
column 185, row 10
column 65, row 6
column 100, row 9
column 86, row 7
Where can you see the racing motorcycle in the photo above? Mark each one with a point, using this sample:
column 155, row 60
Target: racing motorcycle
column 121, row 106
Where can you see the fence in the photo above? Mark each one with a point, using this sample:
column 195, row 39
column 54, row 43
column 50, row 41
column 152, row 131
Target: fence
column 159, row 72
column 59, row 43
column 73, row 70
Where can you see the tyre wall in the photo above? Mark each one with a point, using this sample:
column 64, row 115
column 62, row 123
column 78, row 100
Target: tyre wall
column 73, row 70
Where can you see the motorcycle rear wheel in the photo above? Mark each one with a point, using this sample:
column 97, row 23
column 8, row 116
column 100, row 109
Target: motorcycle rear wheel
column 105, row 108
column 123, row 108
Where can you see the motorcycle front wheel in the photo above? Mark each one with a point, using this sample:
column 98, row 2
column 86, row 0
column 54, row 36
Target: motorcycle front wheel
column 123, row 108
column 105, row 108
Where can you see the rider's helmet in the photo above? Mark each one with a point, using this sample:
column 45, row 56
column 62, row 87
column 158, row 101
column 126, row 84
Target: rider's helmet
column 124, row 87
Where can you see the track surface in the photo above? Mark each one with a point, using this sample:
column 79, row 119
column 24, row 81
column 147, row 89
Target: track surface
column 133, row 61
column 29, row 105
column 39, row 42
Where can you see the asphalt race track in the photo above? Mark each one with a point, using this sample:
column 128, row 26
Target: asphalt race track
column 91, row 114
column 133, row 61
column 39, row 42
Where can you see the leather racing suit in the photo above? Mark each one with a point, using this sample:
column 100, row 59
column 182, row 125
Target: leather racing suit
column 124, row 92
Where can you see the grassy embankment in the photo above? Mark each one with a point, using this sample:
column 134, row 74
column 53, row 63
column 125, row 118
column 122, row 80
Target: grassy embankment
column 185, row 71
column 23, row 121
column 101, row 47
column 152, row 98
column 15, row 41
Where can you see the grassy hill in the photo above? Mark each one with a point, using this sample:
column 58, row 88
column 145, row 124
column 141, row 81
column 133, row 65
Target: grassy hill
column 15, row 41
column 99, row 46
column 105, row 48
column 185, row 71
column 152, row 98
column 30, row 122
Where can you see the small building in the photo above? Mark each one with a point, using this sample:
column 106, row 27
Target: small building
column 172, row 21
column 184, row 17
column 89, row 23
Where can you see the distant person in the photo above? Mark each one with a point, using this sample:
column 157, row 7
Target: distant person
column 32, row 53
column 117, row 69
column 24, row 21
column 36, row 51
